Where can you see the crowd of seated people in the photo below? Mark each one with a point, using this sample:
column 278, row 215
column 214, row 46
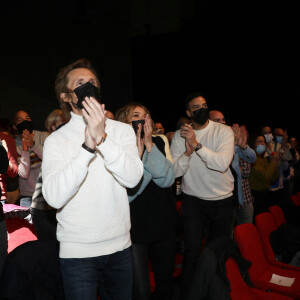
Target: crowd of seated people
column 105, row 186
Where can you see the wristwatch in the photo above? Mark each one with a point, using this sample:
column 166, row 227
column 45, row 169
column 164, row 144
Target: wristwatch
column 198, row 147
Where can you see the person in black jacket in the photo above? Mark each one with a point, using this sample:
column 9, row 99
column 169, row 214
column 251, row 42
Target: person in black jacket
column 3, row 231
column 152, row 210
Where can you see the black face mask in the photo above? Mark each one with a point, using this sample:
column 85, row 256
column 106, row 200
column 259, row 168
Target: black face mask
column 25, row 125
column 201, row 115
column 135, row 126
column 86, row 90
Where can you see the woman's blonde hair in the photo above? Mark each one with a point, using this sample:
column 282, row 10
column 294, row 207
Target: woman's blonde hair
column 55, row 117
column 125, row 113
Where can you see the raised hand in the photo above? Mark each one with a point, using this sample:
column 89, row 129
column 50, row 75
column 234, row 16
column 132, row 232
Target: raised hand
column 94, row 113
column 27, row 137
column 243, row 137
column 188, row 133
column 148, row 130
column 236, row 132
column 140, row 142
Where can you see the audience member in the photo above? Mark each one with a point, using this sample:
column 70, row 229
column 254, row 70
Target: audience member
column 202, row 153
column 217, row 116
column 158, row 128
column 240, row 167
column 110, row 115
column 43, row 215
column 9, row 144
column 181, row 121
column 241, row 164
column 87, row 166
column 266, row 131
column 279, row 190
column 263, row 172
column 166, row 142
column 30, row 154
column 295, row 166
column 4, row 165
column 12, row 183
column 153, row 211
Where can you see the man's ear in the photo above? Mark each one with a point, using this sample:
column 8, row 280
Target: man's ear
column 188, row 113
column 64, row 97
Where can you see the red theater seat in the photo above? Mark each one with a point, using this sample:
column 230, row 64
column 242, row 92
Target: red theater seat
column 295, row 199
column 240, row 290
column 277, row 214
column 261, row 272
column 265, row 224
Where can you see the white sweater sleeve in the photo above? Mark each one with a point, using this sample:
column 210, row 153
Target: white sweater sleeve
column 180, row 161
column 24, row 165
column 122, row 159
column 60, row 180
column 220, row 159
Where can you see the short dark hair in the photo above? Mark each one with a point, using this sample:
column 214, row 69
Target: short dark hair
column 192, row 96
column 252, row 139
column 61, row 80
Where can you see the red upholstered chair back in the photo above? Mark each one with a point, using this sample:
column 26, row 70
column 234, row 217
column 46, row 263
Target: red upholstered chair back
column 295, row 199
column 248, row 241
column 277, row 214
column 265, row 224
column 239, row 288
column 241, row 291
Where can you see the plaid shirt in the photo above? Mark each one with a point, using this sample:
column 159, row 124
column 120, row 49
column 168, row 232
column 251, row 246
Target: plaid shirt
column 245, row 170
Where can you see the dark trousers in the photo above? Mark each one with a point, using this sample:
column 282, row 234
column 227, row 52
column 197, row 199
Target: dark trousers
column 162, row 256
column 197, row 214
column 261, row 202
column 44, row 222
column 110, row 274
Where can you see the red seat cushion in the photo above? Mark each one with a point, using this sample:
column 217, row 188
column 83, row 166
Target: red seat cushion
column 19, row 231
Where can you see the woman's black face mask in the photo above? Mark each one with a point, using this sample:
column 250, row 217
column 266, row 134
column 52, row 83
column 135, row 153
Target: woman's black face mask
column 135, row 125
column 25, row 125
column 86, row 90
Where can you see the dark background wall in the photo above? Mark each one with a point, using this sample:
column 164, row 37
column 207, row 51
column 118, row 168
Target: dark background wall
column 244, row 57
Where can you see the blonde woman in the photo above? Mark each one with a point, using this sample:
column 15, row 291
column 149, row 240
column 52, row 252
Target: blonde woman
column 152, row 209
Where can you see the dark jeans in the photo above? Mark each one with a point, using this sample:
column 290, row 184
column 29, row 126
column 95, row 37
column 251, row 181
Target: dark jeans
column 197, row 214
column 162, row 257
column 110, row 274
column 44, row 222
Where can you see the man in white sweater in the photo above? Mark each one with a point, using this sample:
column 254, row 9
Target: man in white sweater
column 202, row 152
column 87, row 165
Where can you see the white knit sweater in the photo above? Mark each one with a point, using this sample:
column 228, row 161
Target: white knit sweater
column 206, row 174
column 89, row 190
